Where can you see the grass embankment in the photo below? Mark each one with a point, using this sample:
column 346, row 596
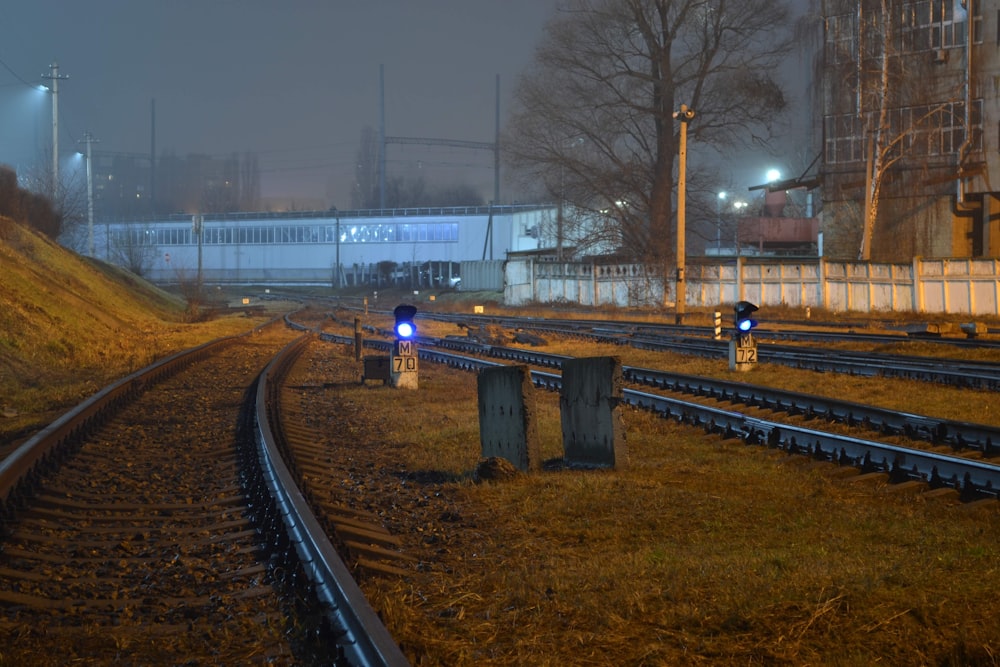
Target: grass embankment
column 701, row 551
column 69, row 326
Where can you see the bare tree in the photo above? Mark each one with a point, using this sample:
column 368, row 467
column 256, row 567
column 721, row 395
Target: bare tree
column 130, row 249
column 54, row 217
column 889, row 112
column 594, row 116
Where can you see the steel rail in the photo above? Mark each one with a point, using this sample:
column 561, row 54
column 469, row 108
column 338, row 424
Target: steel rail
column 956, row 372
column 365, row 640
column 639, row 328
column 48, row 447
column 958, row 434
column 973, row 479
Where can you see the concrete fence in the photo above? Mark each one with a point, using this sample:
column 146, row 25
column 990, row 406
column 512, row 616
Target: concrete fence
column 957, row 286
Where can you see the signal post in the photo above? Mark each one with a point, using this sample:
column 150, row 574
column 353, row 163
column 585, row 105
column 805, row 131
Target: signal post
column 743, row 346
column 403, row 367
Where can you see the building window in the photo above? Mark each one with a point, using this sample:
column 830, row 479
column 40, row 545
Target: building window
column 922, row 26
column 930, row 130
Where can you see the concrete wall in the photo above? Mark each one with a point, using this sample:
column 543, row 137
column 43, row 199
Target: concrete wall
column 926, row 285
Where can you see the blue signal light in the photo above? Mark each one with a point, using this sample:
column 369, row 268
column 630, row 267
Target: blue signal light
column 404, row 314
column 744, row 321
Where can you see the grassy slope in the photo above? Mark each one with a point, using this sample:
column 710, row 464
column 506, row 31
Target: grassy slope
column 69, row 326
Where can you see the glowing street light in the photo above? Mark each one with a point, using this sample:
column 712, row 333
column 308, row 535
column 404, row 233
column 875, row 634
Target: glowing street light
column 718, row 221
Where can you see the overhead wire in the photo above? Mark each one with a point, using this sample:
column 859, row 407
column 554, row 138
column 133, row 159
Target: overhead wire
column 16, row 75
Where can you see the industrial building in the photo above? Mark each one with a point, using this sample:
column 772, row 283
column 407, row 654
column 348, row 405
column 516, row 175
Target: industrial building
column 412, row 247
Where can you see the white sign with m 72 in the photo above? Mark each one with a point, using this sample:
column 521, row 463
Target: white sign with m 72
column 742, row 353
column 746, row 354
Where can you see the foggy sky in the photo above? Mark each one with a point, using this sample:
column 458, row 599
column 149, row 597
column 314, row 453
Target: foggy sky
column 293, row 81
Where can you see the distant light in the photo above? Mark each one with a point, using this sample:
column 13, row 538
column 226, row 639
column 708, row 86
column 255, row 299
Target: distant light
column 773, row 175
column 723, row 194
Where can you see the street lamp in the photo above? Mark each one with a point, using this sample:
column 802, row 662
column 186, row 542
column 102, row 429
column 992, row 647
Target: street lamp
column 88, row 139
column 55, row 76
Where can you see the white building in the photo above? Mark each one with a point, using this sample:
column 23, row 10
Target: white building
column 413, row 246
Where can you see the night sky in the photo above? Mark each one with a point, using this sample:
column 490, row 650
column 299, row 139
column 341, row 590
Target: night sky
column 293, row 81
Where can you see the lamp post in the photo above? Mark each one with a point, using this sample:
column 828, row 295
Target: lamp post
column 685, row 115
column 88, row 139
column 55, row 76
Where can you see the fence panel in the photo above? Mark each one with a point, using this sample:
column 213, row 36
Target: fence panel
column 931, row 286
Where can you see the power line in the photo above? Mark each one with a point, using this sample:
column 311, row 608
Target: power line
column 16, row 75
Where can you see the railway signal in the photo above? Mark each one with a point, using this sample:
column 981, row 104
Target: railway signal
column 405, row 329
column 744, row 320
column 743, row 347
column 403, row 370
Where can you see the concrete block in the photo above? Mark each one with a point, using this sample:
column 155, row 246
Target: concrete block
column 507, row 416
column 590, row 408
column 973, row 329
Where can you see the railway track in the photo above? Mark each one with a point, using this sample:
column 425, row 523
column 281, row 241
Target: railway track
column 972, row 478
column 698, row 341
column 156, row 524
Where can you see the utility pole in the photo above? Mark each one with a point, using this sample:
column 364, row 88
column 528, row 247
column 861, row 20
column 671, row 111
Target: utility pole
column 88, row 139
column 684, row 116
column 54, row 77
column 336, row 281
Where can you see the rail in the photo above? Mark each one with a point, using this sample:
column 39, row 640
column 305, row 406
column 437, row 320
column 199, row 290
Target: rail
column 365, row 639
column 973, row 479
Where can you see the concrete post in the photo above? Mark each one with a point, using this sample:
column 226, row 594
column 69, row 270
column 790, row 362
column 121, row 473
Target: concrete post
column 507, row 426
column 590, row 408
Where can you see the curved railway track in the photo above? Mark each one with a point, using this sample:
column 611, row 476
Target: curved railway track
column 186, row 512
column 155, row 524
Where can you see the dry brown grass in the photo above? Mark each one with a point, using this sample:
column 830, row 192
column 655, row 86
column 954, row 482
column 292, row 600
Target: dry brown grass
column 70, row 326
column 702, row 551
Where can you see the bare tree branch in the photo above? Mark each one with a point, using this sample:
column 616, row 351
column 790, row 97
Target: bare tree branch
column 593, row 123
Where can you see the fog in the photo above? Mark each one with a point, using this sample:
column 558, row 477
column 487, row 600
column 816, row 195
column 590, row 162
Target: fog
column 293, row 82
